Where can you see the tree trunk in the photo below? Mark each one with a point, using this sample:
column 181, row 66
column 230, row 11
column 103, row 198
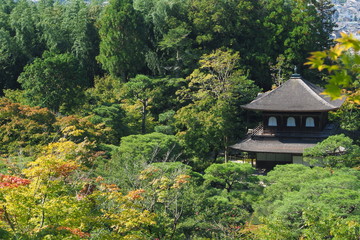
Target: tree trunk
column 143, row 118
column 226, row 149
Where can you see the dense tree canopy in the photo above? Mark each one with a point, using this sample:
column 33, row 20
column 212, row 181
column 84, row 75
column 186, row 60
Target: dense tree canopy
column 118, row 116
column 162, row 37
column 302, row 202
column 53, row 81
column 335, row 151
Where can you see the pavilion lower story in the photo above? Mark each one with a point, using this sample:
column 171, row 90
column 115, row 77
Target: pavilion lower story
column 270, row 160
column 270, row 152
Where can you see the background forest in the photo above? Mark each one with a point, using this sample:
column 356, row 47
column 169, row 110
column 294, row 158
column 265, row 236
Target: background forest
column 116, row 117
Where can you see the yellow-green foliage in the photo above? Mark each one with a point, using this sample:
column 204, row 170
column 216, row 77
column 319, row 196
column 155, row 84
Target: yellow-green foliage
column 343, row 66
column 57, row 202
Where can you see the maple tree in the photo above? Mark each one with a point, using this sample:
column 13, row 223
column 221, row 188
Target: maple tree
column 8, row 181
column 342, row 63
column 57, row 199
column 165, row 185
column 76, row 128
column 24, row 128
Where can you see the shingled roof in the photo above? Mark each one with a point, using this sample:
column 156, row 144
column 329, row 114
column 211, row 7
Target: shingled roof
column 275, row 145
column 295, row 95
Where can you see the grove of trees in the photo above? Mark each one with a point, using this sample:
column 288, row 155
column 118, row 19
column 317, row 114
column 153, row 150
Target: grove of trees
column 116, row 119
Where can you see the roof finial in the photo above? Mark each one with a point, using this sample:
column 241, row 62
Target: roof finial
column 295, row 74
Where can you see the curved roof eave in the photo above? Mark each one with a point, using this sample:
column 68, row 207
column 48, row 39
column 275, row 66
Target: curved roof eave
column 295, row 95
column 285, row 110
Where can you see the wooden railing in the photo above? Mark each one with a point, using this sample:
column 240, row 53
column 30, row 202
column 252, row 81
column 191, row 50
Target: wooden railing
column 258, row 130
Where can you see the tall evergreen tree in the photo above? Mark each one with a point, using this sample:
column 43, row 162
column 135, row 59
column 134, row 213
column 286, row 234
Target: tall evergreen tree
column 171, row 51
column 122, row 44
column 10, row 54
column 23, row 22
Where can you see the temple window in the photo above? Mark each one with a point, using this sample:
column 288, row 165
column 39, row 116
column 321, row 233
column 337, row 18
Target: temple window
column 310, row 122
column 272, row 122
column 290, row 122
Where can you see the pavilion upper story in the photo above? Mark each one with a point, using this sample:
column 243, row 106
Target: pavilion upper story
column 295, row 117
column 297, row 106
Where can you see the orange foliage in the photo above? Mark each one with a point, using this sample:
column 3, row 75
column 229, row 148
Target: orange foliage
column 75, row 231
column 9, row 109
column 181, row 179
column 109, row 187
column 65, row 169
column 7, row 181
column 135, row 194
column 23, row 126
column 86, row 190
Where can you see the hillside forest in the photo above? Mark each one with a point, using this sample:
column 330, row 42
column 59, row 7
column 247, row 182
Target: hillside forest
column 116, row 119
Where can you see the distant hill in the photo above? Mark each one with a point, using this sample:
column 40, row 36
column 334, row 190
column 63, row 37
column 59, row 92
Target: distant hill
column 347, row 17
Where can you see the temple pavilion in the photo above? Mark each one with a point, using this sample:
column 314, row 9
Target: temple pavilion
column 295, row 117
